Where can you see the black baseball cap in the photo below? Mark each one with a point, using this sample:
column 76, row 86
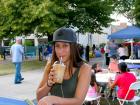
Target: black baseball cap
column 65, row 35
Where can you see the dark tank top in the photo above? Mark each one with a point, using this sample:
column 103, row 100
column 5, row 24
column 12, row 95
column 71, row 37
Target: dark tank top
column 67, row 88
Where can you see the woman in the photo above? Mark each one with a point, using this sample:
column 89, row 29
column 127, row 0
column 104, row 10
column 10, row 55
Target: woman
column 76, row 77
column 123, row 81
column 113, row 65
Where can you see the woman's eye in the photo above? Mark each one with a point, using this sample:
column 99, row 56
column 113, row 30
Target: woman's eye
column 65, row 45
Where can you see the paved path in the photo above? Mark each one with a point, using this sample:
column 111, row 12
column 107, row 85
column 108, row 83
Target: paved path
column 20, row 91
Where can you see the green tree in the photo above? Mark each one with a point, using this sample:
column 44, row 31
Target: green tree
column 137, row 12
column 87, row 15
column 126, row 8
column 44, row 16
column 21, row 16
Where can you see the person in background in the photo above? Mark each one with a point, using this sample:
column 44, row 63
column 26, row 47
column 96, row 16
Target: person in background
column 40, row 49
column 46, row 53
column 87, row 53
column 112, row 48
column 102, row 51
column 77, row 75
column 121, row 52
column 113, row 65
column 120, row 81
column 126, row 51
column 93, row 49
column 96, row 68
column 93, row 90
column 106, row 49
column 17, row 52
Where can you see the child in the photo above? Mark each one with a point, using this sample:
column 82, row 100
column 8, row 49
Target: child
column 93, row 88
column 96, row 68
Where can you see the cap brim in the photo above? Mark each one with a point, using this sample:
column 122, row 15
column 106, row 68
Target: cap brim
column 63, row 41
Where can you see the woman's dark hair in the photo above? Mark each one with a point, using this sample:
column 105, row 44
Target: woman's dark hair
column 113, row 57
column 75, row 59
column 123, row 67
column 120, row 45
column 94, row 66
column 93, row 79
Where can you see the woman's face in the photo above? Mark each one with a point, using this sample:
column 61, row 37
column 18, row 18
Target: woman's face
column 62, row 49
column 98, row 67
column 113, row 60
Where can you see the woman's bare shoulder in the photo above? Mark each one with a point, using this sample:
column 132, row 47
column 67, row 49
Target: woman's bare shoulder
column 85, row 66
column 85, row 69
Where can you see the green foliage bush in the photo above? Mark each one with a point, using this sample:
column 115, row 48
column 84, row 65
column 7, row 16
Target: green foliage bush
column 28, row 43
column 102, row 45
column 11, row 43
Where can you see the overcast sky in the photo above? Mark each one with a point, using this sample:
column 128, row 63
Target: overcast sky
column 119, row 19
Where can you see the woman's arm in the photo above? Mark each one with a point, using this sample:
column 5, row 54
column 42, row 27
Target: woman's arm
column 112, row 84
column 81, row 90
column 43, row 88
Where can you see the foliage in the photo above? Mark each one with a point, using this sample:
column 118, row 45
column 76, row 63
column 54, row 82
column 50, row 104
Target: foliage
column 28, row 43
column 137, row 12
column 22, row 17
column 11, row 43
column 102, row 45
column 87, row 15
column 126, row 8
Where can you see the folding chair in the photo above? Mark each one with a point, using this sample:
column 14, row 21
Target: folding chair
column 133, row 86
column 90, row 99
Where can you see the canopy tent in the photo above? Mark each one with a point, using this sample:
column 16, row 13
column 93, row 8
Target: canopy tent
column 131, row 32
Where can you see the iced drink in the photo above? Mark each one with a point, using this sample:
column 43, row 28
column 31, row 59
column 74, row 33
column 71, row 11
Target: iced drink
column 59, row 70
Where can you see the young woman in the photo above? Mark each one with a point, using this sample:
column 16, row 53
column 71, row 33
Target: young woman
column 77, row 74
column 113, row 65
column 123, row 81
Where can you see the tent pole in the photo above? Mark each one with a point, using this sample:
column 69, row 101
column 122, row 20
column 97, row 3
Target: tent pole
column 132, row 52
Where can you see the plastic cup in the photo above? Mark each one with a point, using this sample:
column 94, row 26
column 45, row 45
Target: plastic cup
column 59, row 70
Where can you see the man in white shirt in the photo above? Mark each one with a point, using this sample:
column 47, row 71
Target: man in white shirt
column 122, row 53
column 17, row 51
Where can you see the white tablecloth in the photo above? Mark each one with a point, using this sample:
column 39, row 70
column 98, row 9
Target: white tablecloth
column 104, row 77
column 132, row 61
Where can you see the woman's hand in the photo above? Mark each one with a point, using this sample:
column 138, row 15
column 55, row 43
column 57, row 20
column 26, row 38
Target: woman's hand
column 51, row 78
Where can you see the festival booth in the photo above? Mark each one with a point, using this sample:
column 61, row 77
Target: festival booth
column 131, row 32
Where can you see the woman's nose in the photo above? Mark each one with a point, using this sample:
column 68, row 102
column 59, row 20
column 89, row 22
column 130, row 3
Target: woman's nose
column 60, row 51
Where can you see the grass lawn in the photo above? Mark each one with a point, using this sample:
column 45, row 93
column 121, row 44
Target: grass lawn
column 8, row 67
